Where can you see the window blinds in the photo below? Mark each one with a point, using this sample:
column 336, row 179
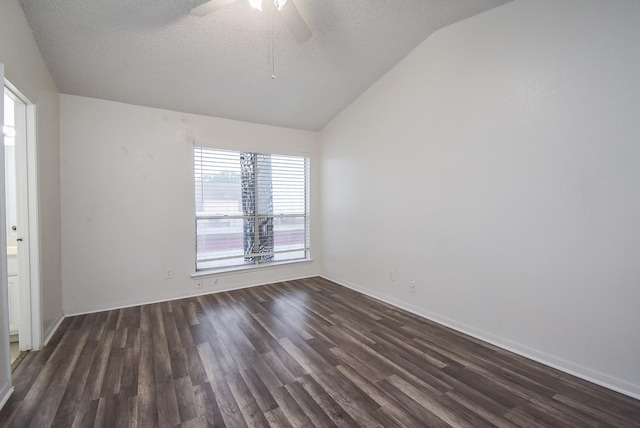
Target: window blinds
column 250, row 208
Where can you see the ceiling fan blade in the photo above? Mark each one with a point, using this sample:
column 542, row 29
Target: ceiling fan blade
column 210, row 6
column 294, row 21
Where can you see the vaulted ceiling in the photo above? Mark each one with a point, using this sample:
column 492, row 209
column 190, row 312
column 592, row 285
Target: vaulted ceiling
column 154, row 53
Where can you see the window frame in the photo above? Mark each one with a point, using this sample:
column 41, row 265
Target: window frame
column 257, row 255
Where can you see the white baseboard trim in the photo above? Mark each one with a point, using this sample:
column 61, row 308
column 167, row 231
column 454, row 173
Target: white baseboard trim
column 185, row 296
column 581, row 372
column 5, row 394
column 52, row 329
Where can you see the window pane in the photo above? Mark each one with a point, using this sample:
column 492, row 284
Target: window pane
column 294, row 255
column 217, row 179
column 219, row 238
column 215, row 264
column 289, row 233
column 289, row 184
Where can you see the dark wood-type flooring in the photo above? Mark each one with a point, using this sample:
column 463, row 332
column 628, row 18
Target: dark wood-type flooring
column 299, row 353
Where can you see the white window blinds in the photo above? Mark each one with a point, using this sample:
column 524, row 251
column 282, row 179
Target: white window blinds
column 250, row 208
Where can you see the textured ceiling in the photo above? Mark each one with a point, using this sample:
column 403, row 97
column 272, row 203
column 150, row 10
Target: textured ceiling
column 154, row 53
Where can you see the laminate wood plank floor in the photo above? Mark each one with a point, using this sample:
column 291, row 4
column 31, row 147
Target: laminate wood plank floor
column 294, row 354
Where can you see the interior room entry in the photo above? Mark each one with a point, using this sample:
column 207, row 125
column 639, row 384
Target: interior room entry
column 15, row 130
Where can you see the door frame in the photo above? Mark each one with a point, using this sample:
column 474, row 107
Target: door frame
column 30, row 335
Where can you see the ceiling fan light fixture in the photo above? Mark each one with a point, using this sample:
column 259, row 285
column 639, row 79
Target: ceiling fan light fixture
column 286, row 9
column 256, row 4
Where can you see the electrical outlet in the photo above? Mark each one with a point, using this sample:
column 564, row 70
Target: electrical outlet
column 392, row 276
column 412, row 286
column 215, row 281
column 199, row 285
column 168, row 273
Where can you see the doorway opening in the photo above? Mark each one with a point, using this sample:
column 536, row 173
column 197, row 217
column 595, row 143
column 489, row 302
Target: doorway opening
column 22, row 269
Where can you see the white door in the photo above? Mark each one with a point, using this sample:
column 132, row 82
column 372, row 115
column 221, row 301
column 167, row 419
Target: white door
column 5, row 360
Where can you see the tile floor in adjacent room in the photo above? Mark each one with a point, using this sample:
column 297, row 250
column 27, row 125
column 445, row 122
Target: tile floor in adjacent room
column 15, row 352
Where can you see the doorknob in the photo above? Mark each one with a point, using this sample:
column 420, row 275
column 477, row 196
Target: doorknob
column 19, row 239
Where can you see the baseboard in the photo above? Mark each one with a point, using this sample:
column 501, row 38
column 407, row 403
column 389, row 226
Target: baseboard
column 5, row 394
column 185, row 296
column 568, row 367
column 52, row 329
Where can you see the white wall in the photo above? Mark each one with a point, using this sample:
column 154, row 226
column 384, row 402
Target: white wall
column 498, row 165
column 25, row 68
column 128, row 201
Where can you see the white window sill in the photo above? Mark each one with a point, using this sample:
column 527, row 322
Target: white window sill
column 249, row 268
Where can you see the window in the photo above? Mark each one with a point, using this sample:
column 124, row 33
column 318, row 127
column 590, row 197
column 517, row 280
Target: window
column 251, row 208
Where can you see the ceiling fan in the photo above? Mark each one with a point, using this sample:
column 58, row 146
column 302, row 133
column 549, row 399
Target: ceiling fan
column 285, row 8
